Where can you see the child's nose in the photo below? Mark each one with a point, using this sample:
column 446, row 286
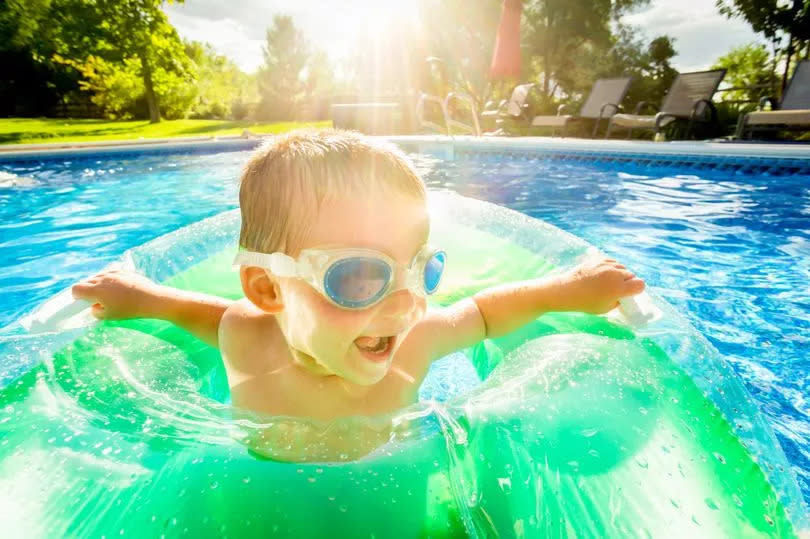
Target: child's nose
column 400, row 303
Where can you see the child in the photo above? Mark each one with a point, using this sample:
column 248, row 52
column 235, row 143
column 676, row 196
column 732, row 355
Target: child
column 335, row 268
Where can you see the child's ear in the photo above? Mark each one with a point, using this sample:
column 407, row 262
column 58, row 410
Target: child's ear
column 261, row 289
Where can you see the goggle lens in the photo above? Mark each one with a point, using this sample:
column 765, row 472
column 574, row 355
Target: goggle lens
column 434, row 268
column 357, row 282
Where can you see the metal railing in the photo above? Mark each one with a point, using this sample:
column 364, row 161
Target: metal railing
column 425, row 123
column 452, row 123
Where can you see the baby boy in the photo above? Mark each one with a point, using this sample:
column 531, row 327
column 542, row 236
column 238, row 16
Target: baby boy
column 336, row 268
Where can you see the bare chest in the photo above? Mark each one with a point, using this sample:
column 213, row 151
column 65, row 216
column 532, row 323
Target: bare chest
column 288, row 392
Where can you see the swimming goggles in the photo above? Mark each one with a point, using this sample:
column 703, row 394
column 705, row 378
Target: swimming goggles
column 353, row 278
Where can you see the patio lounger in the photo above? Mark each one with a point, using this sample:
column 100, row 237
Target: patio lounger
column 688, row 98
column 516, row 109
column 793, row 112
column 603, row 102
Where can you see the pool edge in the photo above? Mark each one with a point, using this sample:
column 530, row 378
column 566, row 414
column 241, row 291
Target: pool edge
column 442, row 145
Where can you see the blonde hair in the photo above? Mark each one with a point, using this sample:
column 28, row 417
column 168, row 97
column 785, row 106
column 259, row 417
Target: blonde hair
column 287, row 179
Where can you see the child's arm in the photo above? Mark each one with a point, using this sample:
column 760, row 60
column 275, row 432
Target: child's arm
column 594, row 287
column 118, row 295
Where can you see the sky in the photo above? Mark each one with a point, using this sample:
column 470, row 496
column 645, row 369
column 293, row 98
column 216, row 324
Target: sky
column 236, row 28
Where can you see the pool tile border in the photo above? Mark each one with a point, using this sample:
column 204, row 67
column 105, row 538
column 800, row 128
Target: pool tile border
column 768, row 159
column 743, row 158
column 746, row 165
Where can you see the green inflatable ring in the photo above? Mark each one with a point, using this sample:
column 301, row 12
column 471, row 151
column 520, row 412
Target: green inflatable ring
column 581, row 427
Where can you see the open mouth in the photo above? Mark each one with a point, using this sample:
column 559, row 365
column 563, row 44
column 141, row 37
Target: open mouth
column 375, row 347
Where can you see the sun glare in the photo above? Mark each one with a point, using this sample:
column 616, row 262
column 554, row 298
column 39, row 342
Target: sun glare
column 386, row 38
column 387, row 10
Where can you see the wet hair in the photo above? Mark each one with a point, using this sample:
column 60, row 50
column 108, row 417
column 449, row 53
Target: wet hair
column 290, row 177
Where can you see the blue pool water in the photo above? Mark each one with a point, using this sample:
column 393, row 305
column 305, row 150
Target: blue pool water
column 731, row 250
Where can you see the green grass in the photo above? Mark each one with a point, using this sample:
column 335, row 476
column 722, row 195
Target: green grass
column 39, row 130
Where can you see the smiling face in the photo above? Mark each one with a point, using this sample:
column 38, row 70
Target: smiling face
column 356, row 345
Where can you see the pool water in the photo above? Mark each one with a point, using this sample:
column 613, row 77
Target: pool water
column 81, row 215
column 730, row 250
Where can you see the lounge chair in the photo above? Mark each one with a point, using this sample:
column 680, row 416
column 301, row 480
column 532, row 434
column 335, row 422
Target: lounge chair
column 516, row 109
column 792, row 113
column 603, row 102
column 688, row 99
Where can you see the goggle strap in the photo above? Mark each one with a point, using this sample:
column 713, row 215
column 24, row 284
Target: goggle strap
column 279, row 264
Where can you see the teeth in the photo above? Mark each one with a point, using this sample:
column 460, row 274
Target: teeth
column 372, row 344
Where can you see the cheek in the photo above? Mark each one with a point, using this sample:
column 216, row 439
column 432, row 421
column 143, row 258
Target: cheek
column 308, row 313
column 421, row 308
column 418, row 312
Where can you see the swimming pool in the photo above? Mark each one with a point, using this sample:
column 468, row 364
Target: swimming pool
column 728, row 242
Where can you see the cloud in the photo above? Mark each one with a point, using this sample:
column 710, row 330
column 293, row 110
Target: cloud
column 228, row 36
column 252, row 15
column 701, row 33
column 237, row 28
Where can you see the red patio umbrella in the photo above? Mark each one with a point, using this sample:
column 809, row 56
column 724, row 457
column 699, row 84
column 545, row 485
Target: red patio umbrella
column 506, row 56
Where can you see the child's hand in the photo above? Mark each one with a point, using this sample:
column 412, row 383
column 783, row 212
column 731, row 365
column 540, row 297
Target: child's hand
column 118, row 295
column 597, row 285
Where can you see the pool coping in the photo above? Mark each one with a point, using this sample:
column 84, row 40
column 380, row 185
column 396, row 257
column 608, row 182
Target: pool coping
column 709, row 148
column 25, row 152
column 445, row 146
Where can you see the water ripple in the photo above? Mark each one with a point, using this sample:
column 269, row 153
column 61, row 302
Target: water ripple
column 731, row 251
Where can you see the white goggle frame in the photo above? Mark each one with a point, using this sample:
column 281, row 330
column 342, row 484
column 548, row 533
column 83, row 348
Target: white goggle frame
column 312, row 264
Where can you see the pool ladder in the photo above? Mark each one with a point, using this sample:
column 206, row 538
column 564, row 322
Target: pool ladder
column 450, row 123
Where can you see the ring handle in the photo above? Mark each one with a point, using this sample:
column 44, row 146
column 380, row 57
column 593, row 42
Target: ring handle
column 60, row 313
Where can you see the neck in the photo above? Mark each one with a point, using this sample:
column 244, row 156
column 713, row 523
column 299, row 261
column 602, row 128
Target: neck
column 309, row 364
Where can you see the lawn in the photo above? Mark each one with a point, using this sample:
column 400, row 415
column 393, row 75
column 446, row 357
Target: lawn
column 37, row 130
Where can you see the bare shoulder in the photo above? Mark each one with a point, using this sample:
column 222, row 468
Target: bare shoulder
column 247, row 338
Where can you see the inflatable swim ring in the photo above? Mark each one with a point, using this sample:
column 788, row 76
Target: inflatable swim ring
column 575, row 425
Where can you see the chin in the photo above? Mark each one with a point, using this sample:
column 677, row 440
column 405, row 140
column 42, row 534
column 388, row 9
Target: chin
column 364, row 377
column 376, row 380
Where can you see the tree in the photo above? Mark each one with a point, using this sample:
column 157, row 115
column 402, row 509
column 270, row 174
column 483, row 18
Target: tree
column 98, row 41
column 564, row 44
column 625, row 53
column 32, row 83
column 117, row 88
column 462, row 51
column 139, row 29
column 555, row 31
column 402, row 55
column 99, row 37
column 221, row 86
column 387, row 59
column 786, row 24
column 282, row 77
column 749, row 68
column 319, row 86
column 657, row 72
column 293, row 72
